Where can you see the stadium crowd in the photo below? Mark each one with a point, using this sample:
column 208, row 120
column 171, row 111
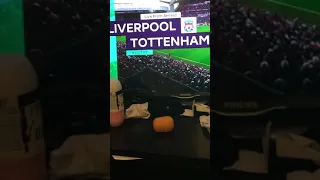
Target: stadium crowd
column 278, row 51
column 200, row 10
column 190, row 75
column 57, row 31
column 50, row 24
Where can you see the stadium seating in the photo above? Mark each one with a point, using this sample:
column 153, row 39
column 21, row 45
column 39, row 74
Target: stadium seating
column 280, row 52
column 200, row 10
column 60, row 35
column 50, row 24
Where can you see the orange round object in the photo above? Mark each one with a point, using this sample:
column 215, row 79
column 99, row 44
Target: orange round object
column 163, row 124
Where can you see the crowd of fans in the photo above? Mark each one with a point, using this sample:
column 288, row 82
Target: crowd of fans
column 190, row 75
column 50, row 24
column 200, row 10
column 280, row 52
column 58, row 33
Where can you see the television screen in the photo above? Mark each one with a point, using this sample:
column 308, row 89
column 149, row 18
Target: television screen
column 268, row 54
column 162, row 46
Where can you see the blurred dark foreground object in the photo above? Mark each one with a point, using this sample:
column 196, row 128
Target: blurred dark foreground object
column 144, row 169
column 223, row 151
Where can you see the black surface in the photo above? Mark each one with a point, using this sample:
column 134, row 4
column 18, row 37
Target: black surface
column 141, row 169
column 234, row 87
column 137, row 137
column 155, row 84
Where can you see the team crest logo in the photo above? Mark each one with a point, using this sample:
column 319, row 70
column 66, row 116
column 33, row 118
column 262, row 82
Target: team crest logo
column 188, row 25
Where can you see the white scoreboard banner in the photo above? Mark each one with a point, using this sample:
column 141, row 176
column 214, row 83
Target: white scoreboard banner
column 136, row 5
column 169, row 15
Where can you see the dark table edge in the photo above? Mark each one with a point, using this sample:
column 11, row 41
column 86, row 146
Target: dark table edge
column 166, row 159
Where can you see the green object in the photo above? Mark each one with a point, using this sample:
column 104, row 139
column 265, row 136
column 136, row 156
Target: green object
column 113, row 46
column 306, row 10
column 139, row 52
column 12, row 27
